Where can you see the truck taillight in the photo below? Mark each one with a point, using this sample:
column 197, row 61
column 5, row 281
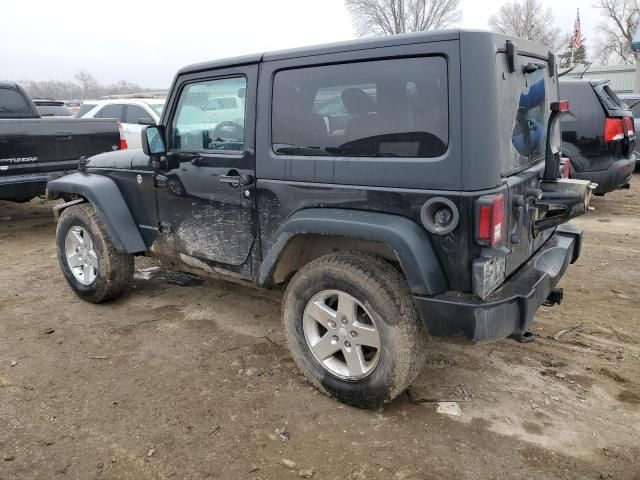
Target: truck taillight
column 123, row 140
column 628, row 125
column 491, row 227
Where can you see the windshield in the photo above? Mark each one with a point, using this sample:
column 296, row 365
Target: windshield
column 157, row 107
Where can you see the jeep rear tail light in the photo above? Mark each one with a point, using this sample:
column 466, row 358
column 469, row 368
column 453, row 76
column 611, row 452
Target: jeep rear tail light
column 561, row 106
column 123, row 140
column 566, row 164
column 613, row 129
column 490, row 229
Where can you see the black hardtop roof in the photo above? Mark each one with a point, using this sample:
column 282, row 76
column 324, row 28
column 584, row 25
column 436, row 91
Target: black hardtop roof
column 351, row 45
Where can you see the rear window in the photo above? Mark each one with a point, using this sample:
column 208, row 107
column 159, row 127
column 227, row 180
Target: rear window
column 616, row 102
column 53, row 111
column 523, row 122
column 13, row 104
column 387, row 108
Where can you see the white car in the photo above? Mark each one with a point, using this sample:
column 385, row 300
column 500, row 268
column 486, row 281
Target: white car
column 132, row 113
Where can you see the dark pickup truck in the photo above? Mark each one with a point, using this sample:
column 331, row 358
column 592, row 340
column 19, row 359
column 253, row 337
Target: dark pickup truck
column 34, row 150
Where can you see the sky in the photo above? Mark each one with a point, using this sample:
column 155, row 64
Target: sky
column 147, row 42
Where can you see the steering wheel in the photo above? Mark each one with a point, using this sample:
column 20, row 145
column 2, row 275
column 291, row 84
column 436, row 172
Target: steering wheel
column 229, row 130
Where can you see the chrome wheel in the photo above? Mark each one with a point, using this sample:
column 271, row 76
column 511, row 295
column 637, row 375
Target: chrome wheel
column 341, row 334
column 81, row 255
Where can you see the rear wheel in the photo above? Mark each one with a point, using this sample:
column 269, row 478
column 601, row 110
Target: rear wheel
column 92, row 266
column 352, row 328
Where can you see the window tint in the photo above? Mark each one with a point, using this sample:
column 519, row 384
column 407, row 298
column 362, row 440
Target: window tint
column 196, row 127
column 529, row 133
column 523, row 113
column 13, row 104
column 84, row 109
column 135, row 113
column 391, row 108
column 112, row 111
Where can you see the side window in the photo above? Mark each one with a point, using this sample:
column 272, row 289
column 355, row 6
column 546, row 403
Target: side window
column 135, row 113
column 210, row 116
column 86, row 108
column 112, row 111
column 13, row 104
column 385, row 108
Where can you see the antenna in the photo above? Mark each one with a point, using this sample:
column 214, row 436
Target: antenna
column 585, row 70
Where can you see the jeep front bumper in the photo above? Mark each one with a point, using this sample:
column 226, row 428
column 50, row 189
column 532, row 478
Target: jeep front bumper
column 510, row 309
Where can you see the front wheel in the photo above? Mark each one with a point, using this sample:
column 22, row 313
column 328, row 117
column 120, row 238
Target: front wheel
column 352, row 328
column 89, row 260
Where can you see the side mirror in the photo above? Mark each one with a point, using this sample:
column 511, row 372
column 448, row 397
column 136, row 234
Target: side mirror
column 146, row 121
column 153, row 141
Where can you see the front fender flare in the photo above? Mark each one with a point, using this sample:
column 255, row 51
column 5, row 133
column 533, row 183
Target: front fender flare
column 405, row 237
column 105, row 196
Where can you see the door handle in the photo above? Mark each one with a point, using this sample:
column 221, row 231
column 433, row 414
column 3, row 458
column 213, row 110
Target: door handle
column 236, row 180
column 63, row 136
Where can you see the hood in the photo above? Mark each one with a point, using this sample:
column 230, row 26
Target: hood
column 120, row 159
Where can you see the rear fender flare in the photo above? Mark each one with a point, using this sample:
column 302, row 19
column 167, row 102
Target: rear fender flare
column 105, row 196
column 409, row 241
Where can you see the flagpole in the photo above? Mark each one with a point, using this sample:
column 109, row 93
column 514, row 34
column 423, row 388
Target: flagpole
column 573, row 38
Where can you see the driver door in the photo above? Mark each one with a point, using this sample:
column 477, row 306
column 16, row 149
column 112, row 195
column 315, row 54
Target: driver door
column 206, row 201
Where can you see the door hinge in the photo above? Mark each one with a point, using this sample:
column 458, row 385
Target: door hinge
column 160, row 181
column 165, row 227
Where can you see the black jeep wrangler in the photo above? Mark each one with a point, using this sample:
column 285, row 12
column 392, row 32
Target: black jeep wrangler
column 399, row 187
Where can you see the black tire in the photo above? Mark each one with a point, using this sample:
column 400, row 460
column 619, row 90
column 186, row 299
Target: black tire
column 383, row 292
column 115, row 269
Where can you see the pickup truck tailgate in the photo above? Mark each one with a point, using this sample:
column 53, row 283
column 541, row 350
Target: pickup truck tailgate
column 40, row 145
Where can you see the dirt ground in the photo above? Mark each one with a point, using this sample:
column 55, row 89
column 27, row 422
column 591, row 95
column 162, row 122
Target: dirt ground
column 191, row 382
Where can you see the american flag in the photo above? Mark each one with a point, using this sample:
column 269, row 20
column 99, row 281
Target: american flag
column 577, row 33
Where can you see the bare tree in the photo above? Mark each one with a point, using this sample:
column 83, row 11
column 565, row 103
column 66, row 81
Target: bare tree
column 390, row 17
column 527, row 19
column 86, row 87
column 622, row 18
column 88, row 83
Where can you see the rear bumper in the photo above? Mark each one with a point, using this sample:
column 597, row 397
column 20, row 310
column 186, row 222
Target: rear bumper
column 509, row 310
column 614, row 177
column 26, row 186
